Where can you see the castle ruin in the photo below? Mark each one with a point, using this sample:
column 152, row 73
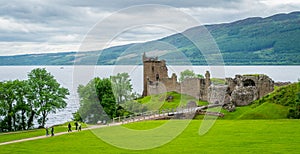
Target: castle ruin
column 241, row 90
column 157, row 81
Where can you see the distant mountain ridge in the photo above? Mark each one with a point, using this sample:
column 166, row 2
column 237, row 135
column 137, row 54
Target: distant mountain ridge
column 273, row 40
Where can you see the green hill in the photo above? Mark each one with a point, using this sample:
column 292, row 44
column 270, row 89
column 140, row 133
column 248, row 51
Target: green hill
column 266, row 111
column 159, row 101
column 285, row 95
column 274, row 40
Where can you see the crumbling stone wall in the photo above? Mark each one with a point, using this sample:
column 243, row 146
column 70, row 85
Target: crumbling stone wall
column 156, row 81
column 191, row 87
column 241, row 90
column 244, row 95
column 217, row 94
column 244, row 89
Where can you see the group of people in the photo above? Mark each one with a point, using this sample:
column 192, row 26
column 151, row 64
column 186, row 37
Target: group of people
column 52, row 131
column 77, row 127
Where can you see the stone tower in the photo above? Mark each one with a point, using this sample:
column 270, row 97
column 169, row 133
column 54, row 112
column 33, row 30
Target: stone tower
column 207, row 79
column 207, row 85
column 154, row 71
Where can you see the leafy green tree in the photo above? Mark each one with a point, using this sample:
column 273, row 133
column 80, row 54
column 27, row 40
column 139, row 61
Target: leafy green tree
column 294, row 112
column 21, row 102
column 106, row 96
column 97, row 101
column 21, row 107
column 98, row 98
column 121, row 87
column 13, row 105
column 6, row 104
column 46, row 94
column 189, row 74
column 199, row 76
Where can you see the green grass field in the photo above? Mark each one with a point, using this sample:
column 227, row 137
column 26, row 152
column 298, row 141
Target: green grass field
column 261, row 127
column 226, row 136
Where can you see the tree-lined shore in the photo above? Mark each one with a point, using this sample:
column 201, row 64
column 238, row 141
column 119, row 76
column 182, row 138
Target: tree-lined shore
column 22, row 102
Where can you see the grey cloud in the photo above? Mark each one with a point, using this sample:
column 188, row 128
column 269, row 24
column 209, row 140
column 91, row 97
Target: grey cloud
column 119, row 4
column 67, row 21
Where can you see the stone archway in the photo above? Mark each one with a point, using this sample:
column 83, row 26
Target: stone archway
column 248, row 82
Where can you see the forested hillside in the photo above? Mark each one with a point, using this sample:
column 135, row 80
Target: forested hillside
column 273, row 40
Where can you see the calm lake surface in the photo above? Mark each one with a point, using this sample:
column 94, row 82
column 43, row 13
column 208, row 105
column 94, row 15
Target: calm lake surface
column 71, row 76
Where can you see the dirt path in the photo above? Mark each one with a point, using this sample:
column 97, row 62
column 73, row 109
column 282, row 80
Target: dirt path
column 150, row 117
column 57, row 134
column 62, row 133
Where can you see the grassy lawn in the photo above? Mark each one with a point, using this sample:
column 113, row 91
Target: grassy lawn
column 5, row 137
column 226, row 136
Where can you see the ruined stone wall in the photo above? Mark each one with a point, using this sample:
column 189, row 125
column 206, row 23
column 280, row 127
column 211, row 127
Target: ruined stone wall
column 171, row 85
column 265, row 85
column 156, row 88
column 244, row 89
column 191, row 86
column 217, row 94
column 241, row 90
column 156, row 81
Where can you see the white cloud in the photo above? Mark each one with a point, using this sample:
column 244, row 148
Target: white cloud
column 280, row 2
column 34, row 48
column 66, row 38
column 11, row 25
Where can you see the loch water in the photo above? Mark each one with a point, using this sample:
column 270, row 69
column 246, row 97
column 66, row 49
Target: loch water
column 71, row 76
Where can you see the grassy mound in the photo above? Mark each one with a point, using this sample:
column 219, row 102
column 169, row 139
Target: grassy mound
column 285, row 95
column 160, row 102
column 266, row 111
column 262, row 111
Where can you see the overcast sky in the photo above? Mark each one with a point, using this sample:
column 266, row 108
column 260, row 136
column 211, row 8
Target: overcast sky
column 42, row 26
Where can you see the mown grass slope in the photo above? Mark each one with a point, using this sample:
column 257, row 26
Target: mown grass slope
column 226, row 136
column 285, row 95
column 266, row 111
column 159, row 101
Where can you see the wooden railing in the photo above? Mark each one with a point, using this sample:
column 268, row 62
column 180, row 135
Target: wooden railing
column 167, row 113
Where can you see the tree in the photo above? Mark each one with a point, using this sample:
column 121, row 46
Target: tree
column 97, row 101
column 98, row 98
column 189, row 74
column 6, row 104
column 13, row 105
column 294, row 112
column 121, row 87
column 21, row 106
column 46, row 95
column 21, row 102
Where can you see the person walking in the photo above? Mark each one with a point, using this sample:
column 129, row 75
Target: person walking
column 76, row 125
column 79, row 127
column 47, row 132
column 69, row 128
column 52, row 131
